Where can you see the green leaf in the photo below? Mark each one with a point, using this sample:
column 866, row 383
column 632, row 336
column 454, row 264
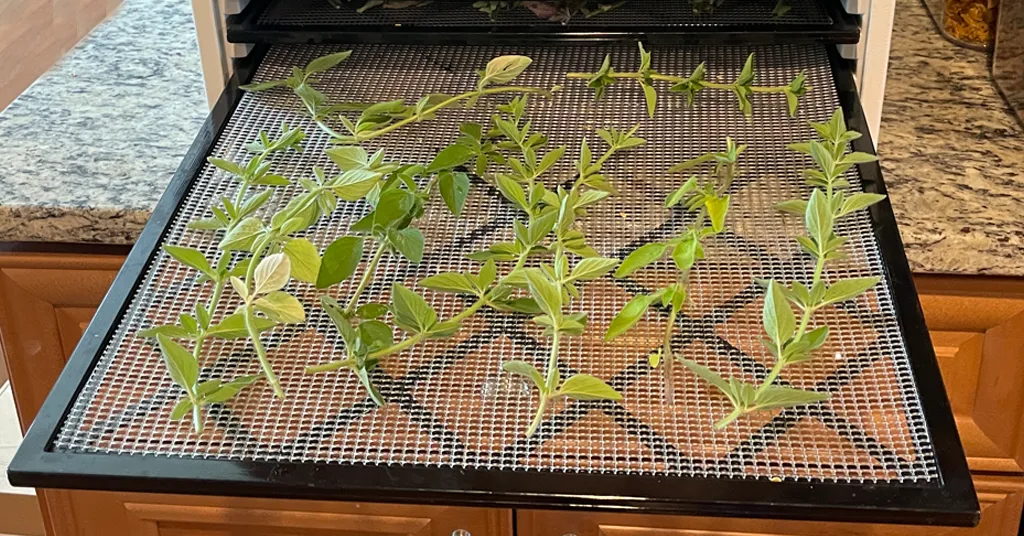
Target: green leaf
column 540, row 227
column 707, row 375
column 503, row 69
column 348, row 157
column 550, row 159
column 846, row 289
column 512, row 191
column 354, row 184
column 525, row 370
column 450, row 157
column 692, row 163
column 654, row 358
column 454, row 189
column 242, row 236
column 783, row 397
column 630, row 314
column 686, row 253
column 587, row 387
column 172, row 331
column 281, row 307
column 375, row 335
column 394, row 205
column 408, row 242
column 818, row 217
column 324, row 63
column 370, row 311
column 859, row 201
column 340, row 261
column 228, row 166
column 271, row 273
column 795, row 206
column 305, row 259
column 816, row 337
column 641, row 257
column 545, row 292
column 450, row 282
column 717, row 207
column 746, row 76
column 181, row 364
column 233, row 327
column 651, row 97
column 677, row 196
column 858, row 158
column 592, row 268
column 182, row 408
column 488, row 273
column 263, row 86
column 193, row 258
column 779, row 320
column 240, row 287
column 411, row 312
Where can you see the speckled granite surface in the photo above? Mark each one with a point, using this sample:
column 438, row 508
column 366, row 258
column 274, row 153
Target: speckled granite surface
column 89, row 148
column 952, row 155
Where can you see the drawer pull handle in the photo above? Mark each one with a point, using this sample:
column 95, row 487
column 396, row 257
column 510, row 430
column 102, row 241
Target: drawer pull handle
column 461, row 532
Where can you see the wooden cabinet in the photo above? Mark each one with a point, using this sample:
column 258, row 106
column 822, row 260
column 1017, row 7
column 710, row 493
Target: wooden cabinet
column 1001, row 499
column 977, row 327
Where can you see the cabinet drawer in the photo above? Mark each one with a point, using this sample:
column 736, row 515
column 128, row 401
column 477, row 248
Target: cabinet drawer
column 1001, row 500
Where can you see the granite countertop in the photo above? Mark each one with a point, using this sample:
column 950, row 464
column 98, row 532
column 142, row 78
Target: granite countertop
column 91, row 146
column 952, row 155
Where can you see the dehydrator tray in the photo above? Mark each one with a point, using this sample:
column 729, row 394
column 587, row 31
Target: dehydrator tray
column 883, row 448
column 458, row 21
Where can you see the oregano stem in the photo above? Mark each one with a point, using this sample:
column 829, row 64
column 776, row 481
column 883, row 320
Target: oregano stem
column 415, row 339
column 678, row 79
column 427, row 111
column 670, row 384
column 371, row 269
column 805, row 320
column 549, row 384
column 261, row 352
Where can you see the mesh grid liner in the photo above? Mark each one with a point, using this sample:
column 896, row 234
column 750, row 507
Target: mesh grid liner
column 450, row 403
column 451, row 13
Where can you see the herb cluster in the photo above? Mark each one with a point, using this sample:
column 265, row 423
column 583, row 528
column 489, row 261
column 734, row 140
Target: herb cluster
column 710, row 202
column 537, row 272
column 790, row 338
column 646, row 77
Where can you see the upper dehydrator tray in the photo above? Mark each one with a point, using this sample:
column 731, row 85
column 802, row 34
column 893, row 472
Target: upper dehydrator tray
column 735, row 21
column 455, row 421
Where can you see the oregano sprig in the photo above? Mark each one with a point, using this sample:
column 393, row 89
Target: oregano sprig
column 742, row 88
column 381, row 118
column 183, row 364
column 790, row 339
column 706, row 198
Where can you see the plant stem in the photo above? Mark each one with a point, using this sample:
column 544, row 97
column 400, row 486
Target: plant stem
column 254, row 334
column 805, row 319
column 197, row 415
column 368, row 274
column 539, row 416
column 427, row 111
column 678, row 79
column 670, row 384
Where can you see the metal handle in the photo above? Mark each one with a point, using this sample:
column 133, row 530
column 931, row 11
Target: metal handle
column 461, row 532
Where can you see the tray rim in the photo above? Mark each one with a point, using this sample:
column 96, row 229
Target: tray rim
column 244, row 27
column 950, row 501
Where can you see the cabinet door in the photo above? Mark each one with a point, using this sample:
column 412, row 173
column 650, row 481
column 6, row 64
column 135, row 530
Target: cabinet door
column 977, row 328
column 102, row 514
column 46, row 301
column 1001, row 501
